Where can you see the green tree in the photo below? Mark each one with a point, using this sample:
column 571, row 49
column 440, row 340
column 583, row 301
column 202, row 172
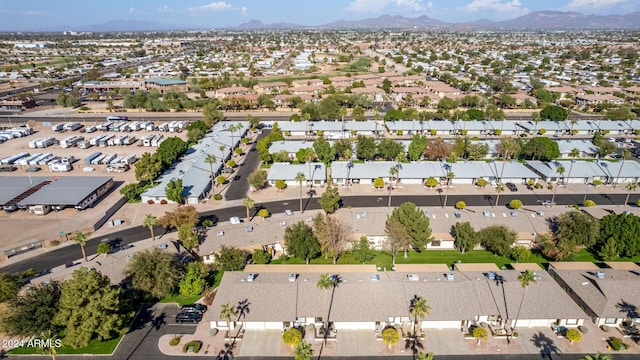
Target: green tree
column 554, row 113
column 326, row 282
column 542, row 148
column 149, row 222
column 625, row 154
column 174, row 191
column 597, row 356
column 211, row 114
column 304, row 351
column 301, row 241
column 519, row 253
column 258, row 179
column 515, row 204
column 153, row 272
column 632, row 186
column 229, row 258
column 263, row 213
column 180, row 216
column 9, row 287
column 526, row 278
column 228, row 312
column 397, row 237
column 31, row 314
column 260, row 256
column 330, row 199
column 362, row 251
column 248, row 203
column 211, row 160
column 281, row 184
column 415, row 222
column 417, row 147
column 103, row 248
column 365, row 147
column 300, row 178
column 81, row 239
column 465, row 237
column 390, row 336
column 389, row 149
column 188, row 236
column 194, row 280
column 497, row 239
column 91, row 307
column 332, row 234
column 323, row 150
column 619, row 235
column 575, row 228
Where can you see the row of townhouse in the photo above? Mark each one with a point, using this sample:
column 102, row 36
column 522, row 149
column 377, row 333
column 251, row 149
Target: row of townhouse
column 465, row 172
column 193, row 168
column 344, row 129
column 367, row 300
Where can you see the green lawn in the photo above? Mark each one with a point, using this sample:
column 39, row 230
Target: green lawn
column 95, row 347
column 449, row 257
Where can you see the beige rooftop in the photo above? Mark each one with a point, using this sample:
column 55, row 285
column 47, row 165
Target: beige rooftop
column 476, row 267
column 295, row 268
column 422, row 268
column 574, row 265
column 526, row 266
column 622, row 265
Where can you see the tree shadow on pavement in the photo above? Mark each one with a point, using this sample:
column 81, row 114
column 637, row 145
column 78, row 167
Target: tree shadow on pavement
column 546, row 346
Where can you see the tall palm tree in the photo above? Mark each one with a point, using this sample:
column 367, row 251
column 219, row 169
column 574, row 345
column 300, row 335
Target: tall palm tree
column 326, row 282
column 309, row 157
column 625, row 154
column 227, row 311
column 425, row 356
column 248, row 203
column 450, row 176
column 507, row 148
column 211, row 160
column 499, row 189
column 393, row 172
column 81, row 239
column 573, row 154
column 343, row 112
column 630, row 187
column 300, row 178
column 526, row 278
column 149, row 222
column 560, row 171
column 419, row 308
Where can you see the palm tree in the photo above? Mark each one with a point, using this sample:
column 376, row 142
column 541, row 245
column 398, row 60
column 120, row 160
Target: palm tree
column 597, row 356
column 419, row 308
column 227, row 312
column 560, row 171
column 248, row 203
column 625, row 154
column 211, row 160
column 150, row 221
column 343, row 112
column 526, row 278
column 309, row 157
column 630, row 187
column 425, row 356
column 574, row 153
column 81, row 239
column 304, row 351
column 499, row 189
column 326, row 282
column 300, row 178
column 450, row 176
column 49, row 347
column 393, row 172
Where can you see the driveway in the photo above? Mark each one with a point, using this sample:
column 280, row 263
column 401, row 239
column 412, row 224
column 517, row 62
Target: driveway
column 356, row 343
column 240, row 186
column 261, row 343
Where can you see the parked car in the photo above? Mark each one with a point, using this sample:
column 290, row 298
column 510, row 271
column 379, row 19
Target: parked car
column 8, row 168
column 192, row 317
column 194, row 308
column 511, row 186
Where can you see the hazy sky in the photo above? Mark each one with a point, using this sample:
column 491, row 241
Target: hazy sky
column 40, row 14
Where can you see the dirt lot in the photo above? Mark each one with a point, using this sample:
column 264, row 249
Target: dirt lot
column 21, row 226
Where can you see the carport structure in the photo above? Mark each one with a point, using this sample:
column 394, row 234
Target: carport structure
column 77, row 191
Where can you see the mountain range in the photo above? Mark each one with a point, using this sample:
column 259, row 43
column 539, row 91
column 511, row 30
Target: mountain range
column 538, row 20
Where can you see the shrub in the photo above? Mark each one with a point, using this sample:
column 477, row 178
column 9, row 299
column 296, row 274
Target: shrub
column 238, row 151
column 431, row 182
column 617, row 344
column 150, row 202
column 195, row 344
column 550, row 186
column 519, row 253
column 263, row 213
column 390, row 336
column 515, row 204
column 399, row 132
column 461, row 205
column 542, row 131
column 292, row 336
column 482, row 182
column 574, row 335
column 497, row 132
column 220, row 179
column 217, row 197
column 29, row 273
column 596, row 182
column 281, row 184
column 207, row 223
column 480, row 333
column 433, row 132
column 638, row 202
column 231, row 163
column 583, row 329
column 378, row 183
column 213, row 332
column 261, row 257
column 103, row 248
column 175, row 341
column 605, row 328
column 538, row 186
column 163, row 202
column 245, row 141
column 588, row 203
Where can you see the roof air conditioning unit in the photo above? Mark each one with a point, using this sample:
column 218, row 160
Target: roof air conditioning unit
column 600, row 275
column 413, row 277
column 251, row 277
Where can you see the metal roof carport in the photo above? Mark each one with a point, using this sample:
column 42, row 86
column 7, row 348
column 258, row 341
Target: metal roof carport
column 13, row 186
column 68, row 191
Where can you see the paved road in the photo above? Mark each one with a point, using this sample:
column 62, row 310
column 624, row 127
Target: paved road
column 69, row 253
column 240, row 186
